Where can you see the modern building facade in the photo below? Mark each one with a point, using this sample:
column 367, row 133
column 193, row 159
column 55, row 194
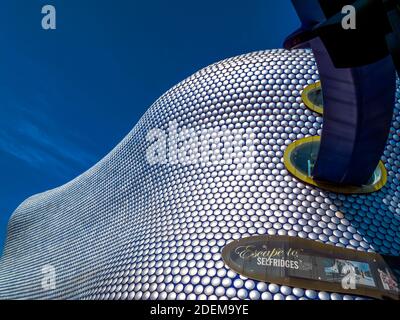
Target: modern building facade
column 133, row 228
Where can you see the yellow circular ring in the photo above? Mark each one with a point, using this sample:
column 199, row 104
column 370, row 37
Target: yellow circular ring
column 326, row 185
column 306, row 100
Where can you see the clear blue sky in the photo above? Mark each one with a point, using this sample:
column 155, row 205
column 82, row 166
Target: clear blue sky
column 68, row 96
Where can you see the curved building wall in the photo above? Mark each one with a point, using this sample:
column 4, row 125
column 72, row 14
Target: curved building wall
column 129, row 229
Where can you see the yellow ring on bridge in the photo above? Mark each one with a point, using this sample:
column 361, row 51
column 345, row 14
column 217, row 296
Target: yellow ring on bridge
column 302, row 176
column 305, row 96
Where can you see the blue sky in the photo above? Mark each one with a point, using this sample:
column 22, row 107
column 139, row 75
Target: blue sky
column 68, row 96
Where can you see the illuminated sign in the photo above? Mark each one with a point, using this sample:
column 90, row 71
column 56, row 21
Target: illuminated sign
column 309, row 264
